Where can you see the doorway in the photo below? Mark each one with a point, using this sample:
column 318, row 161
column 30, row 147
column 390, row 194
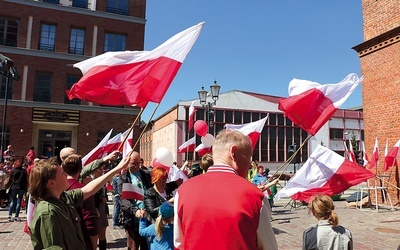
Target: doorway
column 52, row 141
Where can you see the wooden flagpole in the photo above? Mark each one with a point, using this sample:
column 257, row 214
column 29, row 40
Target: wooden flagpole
column 130, row 129
column 140, row 136
column 287, row 162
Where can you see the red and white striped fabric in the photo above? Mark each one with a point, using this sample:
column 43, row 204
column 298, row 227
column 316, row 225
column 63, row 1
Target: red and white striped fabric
column 98, row 152
column 310, row 105
column 365, row 155
column 202, row 149
column 352, row 155
column 187, row 146
column 391, row 156
column 131, row 192
column 375, row 155
column 192, row 111
column 324, row 172
column 252, row 129
column 133, row 77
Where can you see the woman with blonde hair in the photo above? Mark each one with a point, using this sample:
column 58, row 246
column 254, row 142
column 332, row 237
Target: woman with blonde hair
column 161, row 233
column 327, row 234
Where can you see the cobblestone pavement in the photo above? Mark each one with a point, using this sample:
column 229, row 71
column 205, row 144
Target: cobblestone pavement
column 370, row 229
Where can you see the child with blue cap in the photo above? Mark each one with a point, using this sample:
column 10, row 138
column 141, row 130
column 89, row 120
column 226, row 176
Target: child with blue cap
column 161, row 233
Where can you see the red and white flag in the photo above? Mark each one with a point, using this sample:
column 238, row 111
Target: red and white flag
column 192, row 111
column 352, row 155
column 391, row 156
column 252, row 129
column 133, row 77
column 202, row 149
column 98, row 151
column 188, row 146
column 127, row 147
column 131, row 192
column 113, row 143
column 310, row 105
column 325, row 172
column 375, row 155
column 365, row 156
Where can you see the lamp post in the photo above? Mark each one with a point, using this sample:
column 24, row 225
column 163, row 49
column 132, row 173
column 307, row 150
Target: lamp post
column 7, row 69
column 208, row 105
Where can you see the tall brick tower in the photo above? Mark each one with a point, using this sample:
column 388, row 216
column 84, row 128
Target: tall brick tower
column 380, row 65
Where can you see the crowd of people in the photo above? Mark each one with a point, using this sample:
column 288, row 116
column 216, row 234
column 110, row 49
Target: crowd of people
column 225, row 202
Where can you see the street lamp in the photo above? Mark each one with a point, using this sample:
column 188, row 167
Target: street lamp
column 7, row 69
column 208, row 105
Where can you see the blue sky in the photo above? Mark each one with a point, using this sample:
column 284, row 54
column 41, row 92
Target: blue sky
column 258, row 46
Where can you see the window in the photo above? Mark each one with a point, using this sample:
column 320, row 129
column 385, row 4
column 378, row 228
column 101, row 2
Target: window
column 117, row 7
column 42, row 87
column 8, row 32
column 336, row 134
column 114, row 42
column 77, row 41
column 71, row 80
column 3, row 80
column 237, row 117
column 80, row 4
column 52, row 1
column 47, row 37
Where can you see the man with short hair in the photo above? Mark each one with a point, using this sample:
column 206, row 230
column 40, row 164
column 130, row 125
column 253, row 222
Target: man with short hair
column 221, row 209
column 132, row 210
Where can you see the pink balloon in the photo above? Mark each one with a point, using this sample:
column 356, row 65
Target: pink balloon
column 156, row 164
column 200, row 127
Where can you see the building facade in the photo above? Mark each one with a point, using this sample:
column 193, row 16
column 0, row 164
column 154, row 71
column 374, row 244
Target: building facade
column 239, row 107
column 44, row 39
column 379, row 58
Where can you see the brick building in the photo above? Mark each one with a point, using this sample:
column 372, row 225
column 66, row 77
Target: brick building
column 380, row 65
column 44, row 39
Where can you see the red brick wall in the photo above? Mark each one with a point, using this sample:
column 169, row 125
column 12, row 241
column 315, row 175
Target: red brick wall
column 381, row 85
column 380, row 16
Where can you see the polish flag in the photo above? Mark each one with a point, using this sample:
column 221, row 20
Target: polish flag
column 346, row 152
column 113, row 143
column 375, row 155
column 391, row 157
column 126, row 149
column 188, row 146
column 133, row 77
column 97, row 152
column 352, row 155
column 365, row 156
column 192, row 111
column 310, row 105
column 175, row 174
column 202, row 149
column 252, row 129
column 325, row 172
column 131, row 192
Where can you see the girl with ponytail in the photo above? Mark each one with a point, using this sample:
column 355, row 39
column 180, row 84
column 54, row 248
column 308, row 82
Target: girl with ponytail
column 327, row 234
column 161, row 232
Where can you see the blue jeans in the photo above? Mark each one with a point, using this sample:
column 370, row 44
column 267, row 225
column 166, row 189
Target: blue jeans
column 116, row 211
column 16, row 202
